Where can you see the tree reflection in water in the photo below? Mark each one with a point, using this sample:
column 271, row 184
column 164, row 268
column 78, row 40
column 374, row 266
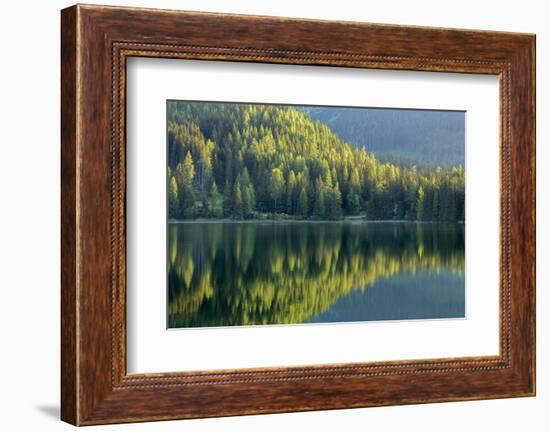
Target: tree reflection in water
column 254, row 273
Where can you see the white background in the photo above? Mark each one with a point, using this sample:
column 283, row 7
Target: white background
column 151, row 348
column 29, row 228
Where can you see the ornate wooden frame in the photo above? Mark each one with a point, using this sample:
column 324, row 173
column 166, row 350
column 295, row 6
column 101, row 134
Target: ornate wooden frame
column 95, row 43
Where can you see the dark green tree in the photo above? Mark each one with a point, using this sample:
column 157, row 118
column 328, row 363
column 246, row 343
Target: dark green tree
column 173, row 204
column 420, row 204
column 334, row 203
column 435, row 206
column 302, row 210
column 238, row 206
column 290, row 193
column 319, row 209
column 215, row 203
column 227, row 199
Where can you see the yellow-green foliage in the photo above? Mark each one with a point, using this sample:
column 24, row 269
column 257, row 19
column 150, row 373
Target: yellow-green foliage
column 239, row 274
column 276, row 160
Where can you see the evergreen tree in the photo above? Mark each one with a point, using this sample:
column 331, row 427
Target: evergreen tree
column 238, row 206
column 276, row 189
column 173, row 205
column 290, row 193
column 420, row 204
column 302, row 209
column 334, row 203
column 249, row 201
column 375, row 205
column 435, row 206
column 353, row 200
column 353, row 203
column 186, row 202
column 411, row 194
column 186, row 197
column 215, row 203
column 244, row 178
column 319, row 210
column 452, row 215
column 186, row 170
column 227, row 200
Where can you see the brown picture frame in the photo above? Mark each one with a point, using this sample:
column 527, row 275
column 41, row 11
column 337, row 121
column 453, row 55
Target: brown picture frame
column 95, row 43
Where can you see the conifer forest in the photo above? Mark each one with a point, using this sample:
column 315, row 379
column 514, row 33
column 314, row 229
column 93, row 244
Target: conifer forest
column 245, row 161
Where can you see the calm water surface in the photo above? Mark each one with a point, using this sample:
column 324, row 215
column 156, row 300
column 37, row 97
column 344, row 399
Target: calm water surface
column 254, row 273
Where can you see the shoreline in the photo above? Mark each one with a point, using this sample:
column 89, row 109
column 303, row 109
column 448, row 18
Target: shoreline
column 297, row 221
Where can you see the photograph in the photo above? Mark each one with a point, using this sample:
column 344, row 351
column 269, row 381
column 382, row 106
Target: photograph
column 302, row 214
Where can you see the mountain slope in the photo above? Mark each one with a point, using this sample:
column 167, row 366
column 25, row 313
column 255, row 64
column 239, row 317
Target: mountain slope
column 254, row 161
column 426, row 138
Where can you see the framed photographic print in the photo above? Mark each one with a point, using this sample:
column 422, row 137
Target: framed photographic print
column 266, row 215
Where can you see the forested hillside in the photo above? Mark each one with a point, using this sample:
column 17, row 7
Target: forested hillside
column 402, row 136
column 260, row 161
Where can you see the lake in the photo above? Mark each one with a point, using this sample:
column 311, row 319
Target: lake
column 223, row 273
